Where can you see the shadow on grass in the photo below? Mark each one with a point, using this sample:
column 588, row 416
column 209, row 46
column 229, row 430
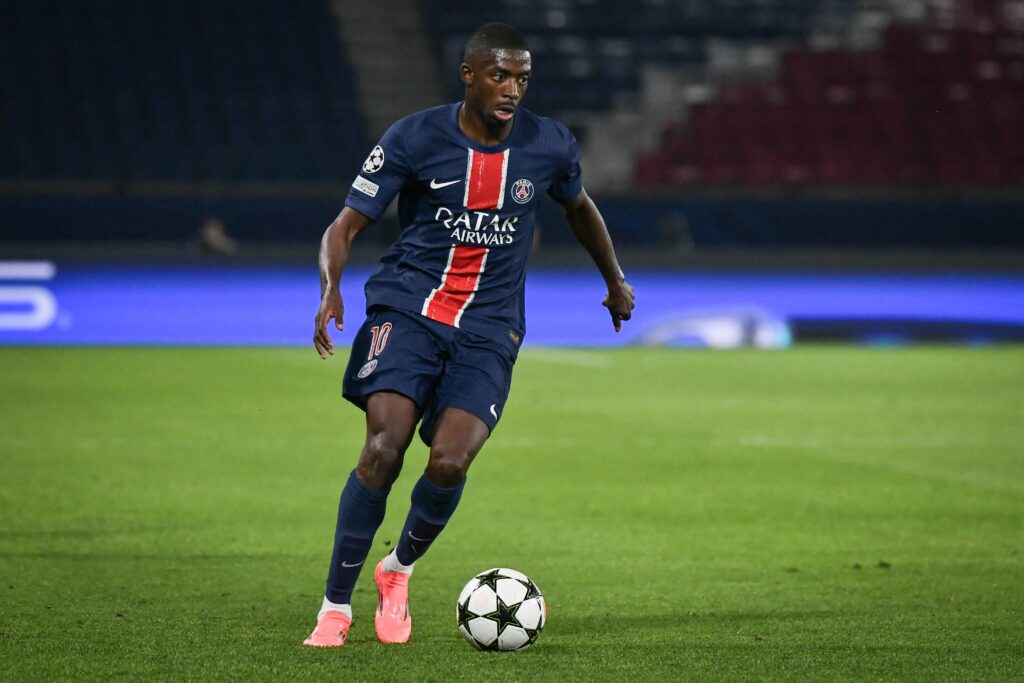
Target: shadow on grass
column 672, row 620
column 86, row 533
column 170, row 556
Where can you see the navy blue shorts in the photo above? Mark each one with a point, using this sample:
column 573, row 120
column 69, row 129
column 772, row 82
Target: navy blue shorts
column 435, row 365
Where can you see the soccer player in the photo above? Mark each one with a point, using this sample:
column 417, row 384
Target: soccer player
column 445, row 308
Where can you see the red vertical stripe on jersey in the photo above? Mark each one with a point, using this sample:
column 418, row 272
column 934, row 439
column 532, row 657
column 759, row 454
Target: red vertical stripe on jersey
column 485, row 179
column 458, row 285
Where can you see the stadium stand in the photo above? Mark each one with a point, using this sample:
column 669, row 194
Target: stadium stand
column 775, row 92
column 233, row 90
column 124, row 120
column 752, row 92
column 937, row 104
column 617, row 73
column 592, row 52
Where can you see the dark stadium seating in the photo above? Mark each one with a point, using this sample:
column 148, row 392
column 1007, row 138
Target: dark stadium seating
column 931, row 107
column 182, row 90
column 591, row 51
column 259, row 90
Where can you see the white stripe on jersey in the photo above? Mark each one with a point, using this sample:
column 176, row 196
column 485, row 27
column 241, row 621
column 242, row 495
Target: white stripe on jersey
column 469, row 174
column 476, row 285
column 444, row 276
column 504, row 175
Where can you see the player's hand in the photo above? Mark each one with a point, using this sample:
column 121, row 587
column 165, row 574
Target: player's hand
column 331, row 306
column 620, row 303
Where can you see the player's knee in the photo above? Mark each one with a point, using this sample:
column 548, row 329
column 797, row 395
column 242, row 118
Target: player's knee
column 380, row 461
column 448, row 465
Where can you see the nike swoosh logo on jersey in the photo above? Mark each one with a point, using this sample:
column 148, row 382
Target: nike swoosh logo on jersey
column 434, row 185
column 346, row 564
column 493, row 411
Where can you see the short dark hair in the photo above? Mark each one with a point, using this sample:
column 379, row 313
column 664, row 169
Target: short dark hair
column 494, row 36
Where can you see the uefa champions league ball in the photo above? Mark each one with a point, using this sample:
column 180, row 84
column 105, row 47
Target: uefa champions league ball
column 501, row 610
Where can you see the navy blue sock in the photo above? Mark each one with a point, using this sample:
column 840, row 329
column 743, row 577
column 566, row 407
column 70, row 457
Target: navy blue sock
column 360, row 512
column 432, row 507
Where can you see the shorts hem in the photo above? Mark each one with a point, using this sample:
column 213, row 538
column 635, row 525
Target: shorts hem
column 485, row 417
column 359, row 399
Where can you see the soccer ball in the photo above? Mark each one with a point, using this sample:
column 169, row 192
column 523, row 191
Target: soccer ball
column 501, row 610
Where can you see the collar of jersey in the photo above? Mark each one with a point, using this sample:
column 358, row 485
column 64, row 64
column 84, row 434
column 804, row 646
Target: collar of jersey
column 453, row 120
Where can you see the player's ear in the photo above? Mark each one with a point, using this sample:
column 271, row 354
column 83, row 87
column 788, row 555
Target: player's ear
column 466, row 74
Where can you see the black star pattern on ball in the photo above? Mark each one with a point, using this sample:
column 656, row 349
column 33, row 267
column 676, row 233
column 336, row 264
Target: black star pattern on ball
column 490, row 579
column 531, row 635
column 464, row 614
column 531, row 589
column 504, row 616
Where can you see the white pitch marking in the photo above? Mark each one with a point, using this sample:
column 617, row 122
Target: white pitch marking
column 586, row 359
column 831, row 449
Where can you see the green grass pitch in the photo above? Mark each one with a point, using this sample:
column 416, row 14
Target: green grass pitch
column 826, row 513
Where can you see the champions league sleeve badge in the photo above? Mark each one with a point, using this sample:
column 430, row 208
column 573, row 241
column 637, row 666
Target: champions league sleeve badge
column 375, row 161
column 522, row 191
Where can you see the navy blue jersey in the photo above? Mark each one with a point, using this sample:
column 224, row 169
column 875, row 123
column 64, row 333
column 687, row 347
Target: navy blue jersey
column 467, row 212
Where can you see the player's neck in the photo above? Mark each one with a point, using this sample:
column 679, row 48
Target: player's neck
column 476, row 130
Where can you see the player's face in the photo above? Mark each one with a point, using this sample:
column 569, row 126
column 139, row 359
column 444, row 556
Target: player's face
column 496, row 84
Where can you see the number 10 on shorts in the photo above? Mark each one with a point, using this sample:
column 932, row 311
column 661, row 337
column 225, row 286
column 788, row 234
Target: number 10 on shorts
column 379, row 340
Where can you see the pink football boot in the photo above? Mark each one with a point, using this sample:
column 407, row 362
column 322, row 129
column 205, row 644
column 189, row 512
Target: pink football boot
column 331, row 630
column 392, row 620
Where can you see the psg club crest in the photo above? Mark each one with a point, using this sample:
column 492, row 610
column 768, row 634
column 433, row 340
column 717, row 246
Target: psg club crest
column 375, row 161
column 365, row 371
column 522, row 191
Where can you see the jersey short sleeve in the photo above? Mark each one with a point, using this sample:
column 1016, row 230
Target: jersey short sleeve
column 382, row 175
column 569, row 181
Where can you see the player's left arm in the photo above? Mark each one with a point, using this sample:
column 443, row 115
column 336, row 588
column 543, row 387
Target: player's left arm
column 589, row 228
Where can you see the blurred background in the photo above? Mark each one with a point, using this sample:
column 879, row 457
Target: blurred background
column 772, row 171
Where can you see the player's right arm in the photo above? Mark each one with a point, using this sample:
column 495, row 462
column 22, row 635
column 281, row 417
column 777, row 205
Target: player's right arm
column 380, row 179
column 334, row 250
